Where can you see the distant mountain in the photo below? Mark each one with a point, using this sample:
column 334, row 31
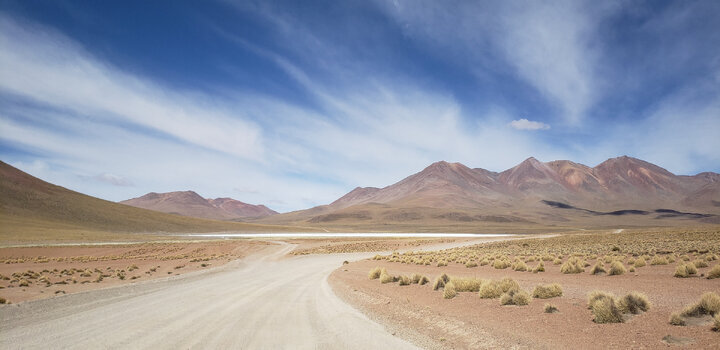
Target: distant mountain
column 34, row 210
column 453, row 192
column 189, row 203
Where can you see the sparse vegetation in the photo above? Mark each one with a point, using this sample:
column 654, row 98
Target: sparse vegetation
column 685, row 270
column 633, row 303
column 709, row 304
column 547, row 291
column 550, row 308
column 616, row 268
column 515, row 297
column 676, row 319
column 440, row 281
column 375, row 273
column 714, row 272
column 449, row 291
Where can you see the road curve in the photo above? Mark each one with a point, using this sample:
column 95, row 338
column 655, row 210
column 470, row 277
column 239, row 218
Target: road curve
column 266, row 302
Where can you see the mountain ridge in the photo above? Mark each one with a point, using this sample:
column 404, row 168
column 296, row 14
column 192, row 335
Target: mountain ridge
column 452, row 190
column 189, row 203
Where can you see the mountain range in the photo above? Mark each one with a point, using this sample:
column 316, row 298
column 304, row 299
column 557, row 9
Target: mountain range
column 189, row 203
column 559, row 192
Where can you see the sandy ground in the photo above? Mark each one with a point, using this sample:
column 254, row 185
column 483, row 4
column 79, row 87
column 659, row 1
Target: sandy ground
column 421, row 315
column 268, row 300
column 58, row 270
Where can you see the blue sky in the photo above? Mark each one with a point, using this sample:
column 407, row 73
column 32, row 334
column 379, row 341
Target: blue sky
column 292, row 104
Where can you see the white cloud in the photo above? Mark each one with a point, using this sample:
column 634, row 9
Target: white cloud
column 39, row 64
column 524, row 124
column 550, row 45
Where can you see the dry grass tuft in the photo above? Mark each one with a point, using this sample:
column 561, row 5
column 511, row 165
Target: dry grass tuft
column 539, row 268
column 423, row 281
column 676, row 319
column 471, row 264
column 490, row 290
column 519, row 265
column 685, row 270
column 405, row 280
column 700, row 263
column 449, row 292
column 633, row 303
column 385, row 277
column 466, row 284
column 616, row 268
column 501, row 264
column 515, row 297
column 604, row 308
column 709, row 304
column 547, row 291
column 573, row 265
column 714, row 272
column 640, row 262
column 659, row 260
column 551, row 309
column 441, row 281
column 598, row 269
column 716, row 323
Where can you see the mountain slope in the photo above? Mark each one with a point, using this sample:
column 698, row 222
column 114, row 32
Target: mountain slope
column 34, row 209
column 189, row 203
column 453, row 193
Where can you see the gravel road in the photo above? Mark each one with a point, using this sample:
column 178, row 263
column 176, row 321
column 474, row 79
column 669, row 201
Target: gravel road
column 266, row 301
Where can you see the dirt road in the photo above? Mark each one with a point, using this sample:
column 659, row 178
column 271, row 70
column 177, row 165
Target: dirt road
column 266, row 301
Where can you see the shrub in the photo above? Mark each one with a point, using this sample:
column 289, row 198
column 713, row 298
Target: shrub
column 385, row 277
column 501, row 264
column 449, row 291
column 716, row 323
column 598, row 269
column 547, row 291
column 471, row 264
column 616, row 268
column 508, row 284
column 515, row 297
column 633, row 303
column 484, row 262
column 709, row 304
column 466, row 284
column 714, row 272
column 640, row 262
column 539, row 268
column 685, row 270
column 573, row 265
column 440, row 282
column 442, row 263
column 606, row 311
column 24, row 283
column 423, row 281
column 519, row 266
column 557, row 261
column 405, row 281
column 658, row 260
column 490, row 290
column 3, row 301
column 700, row 263
column 598, row 295
column 550, row 308
column 676, row 319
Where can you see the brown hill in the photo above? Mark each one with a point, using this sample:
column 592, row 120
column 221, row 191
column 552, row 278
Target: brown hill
column 32, row 209
column 560, row 192
column 189, row 203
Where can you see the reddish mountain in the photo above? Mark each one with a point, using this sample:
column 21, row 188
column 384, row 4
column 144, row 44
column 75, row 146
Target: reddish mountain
column 189, row 203
column 531, row 190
